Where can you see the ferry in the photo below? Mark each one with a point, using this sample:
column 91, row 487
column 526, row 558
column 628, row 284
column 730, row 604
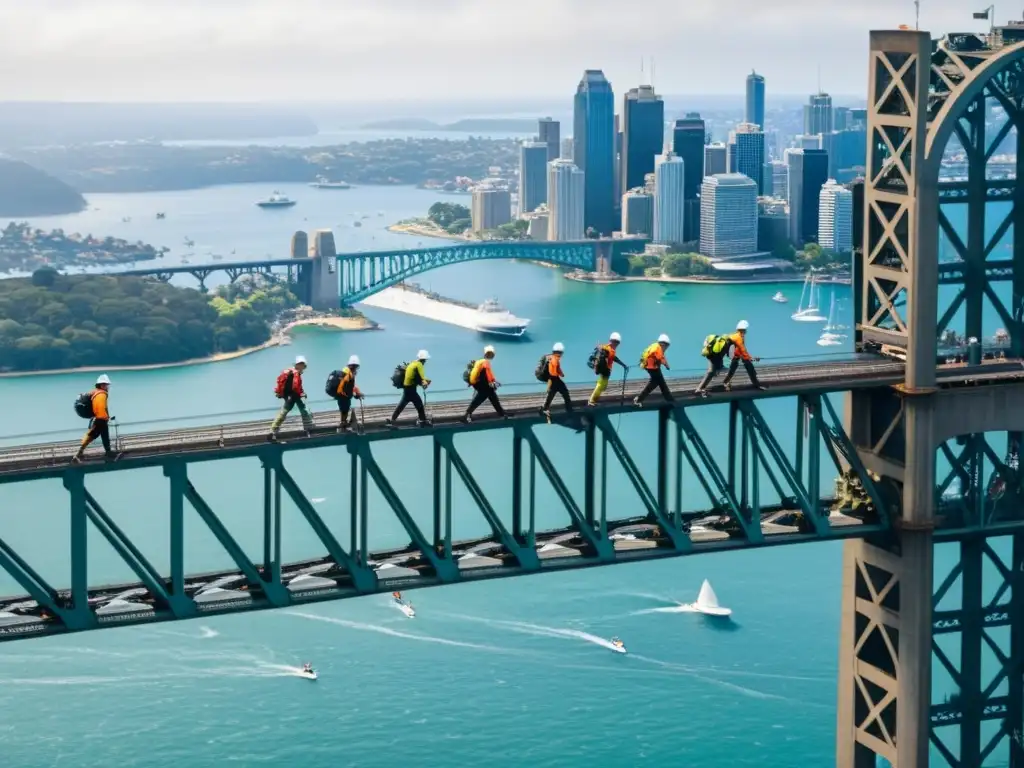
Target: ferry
column 276, row 200
column 494, row 320
column 323, row 183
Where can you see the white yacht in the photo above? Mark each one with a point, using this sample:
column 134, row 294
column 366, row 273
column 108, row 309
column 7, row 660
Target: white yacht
column 707, row 602
column 276, row 200
column 494, row 320
column 779, row 298
column 830, row 336
column 322, row 182
column 809, row 313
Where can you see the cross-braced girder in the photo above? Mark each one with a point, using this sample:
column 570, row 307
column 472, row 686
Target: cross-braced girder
column 683, row 488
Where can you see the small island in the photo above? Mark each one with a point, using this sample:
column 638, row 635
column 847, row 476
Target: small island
column 58, row 323
column 27, row 191
column 25, row 249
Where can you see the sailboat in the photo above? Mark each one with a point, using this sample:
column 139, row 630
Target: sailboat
column 829, row 337
column 809, row 313
column 707, row 602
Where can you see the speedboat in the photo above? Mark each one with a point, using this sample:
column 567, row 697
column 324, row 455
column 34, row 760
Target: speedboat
column 308, row 673
column 276, row 200
column 406, row 608
column 779, row 298
column 618, row 646
column 494, row 320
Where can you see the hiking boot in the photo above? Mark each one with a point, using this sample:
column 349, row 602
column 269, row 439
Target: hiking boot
column 638, row 402
column 727, row 387
column 467, row 418
column 700, row 392
column 389, row 423
column 421, row 423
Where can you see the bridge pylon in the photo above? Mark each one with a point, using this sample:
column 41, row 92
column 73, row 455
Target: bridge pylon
column 922, row 92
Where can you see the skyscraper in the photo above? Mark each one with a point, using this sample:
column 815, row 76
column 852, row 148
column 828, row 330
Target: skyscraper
column 754, row 112
column 715, row 160
column 808, row 171
column 643, row 134
column 492, row 207
column 776, row 180
column 533, row 175
column 638, row 212
column 746, row 153
column 566, row 200
column 669, row 199
column 688, row 144
column 594, row 149
column 728, row 211
column 818, row 114
column 548, row 131
column 835, row 217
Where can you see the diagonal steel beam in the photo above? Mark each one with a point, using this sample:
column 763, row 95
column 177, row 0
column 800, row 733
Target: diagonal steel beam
column 34, row 585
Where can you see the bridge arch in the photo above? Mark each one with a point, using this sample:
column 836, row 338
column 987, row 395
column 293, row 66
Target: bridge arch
column 362, row 275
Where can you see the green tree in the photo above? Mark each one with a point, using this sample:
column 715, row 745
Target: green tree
column 444, row 214
column 44, row 277
column 459, row 226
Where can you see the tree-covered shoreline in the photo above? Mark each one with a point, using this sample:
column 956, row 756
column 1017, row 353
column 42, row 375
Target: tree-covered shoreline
column 53, row 321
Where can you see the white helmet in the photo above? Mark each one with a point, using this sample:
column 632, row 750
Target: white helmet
column 423, row 355
column 103, row 379
column 742, row 325
column 615, row 336
column 300, row 360
column 354, row 360
column 559, row 347
column 663, row 339
column 489, row 349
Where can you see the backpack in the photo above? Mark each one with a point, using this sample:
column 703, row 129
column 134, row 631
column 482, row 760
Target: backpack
column 398, row 377
column 333, row 382
column 714, row 345
column 283, row 387
column 541, row 371
column 468, row 372
column 83, row 405
column 598, row 361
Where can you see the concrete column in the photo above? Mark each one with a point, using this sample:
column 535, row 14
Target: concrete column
column 326, row 282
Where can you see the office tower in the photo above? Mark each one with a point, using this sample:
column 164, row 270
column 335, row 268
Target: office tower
column 649, row 183
column 835, row 217
column 638, row 212
column 669, row 199
column 805, row 141
column 566, row 201
column 728, row 212
column 593, row 140
column 538, row 223
column 688, row 144
column 548, row 131
column 746, row 153
column 715, row 160
column 772, row 223
column 491, row 208
column 846, row 149
column 643, row 134
column 818, row 114
column 618, row 157
column 858, row 118
column 776, row 179
column 808, row 171
column 533, row 175
column 567, row 149
column 840, row 118
column 754, row 112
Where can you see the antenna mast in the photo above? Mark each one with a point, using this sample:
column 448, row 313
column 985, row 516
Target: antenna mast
column 917, row 14
column 652, row 72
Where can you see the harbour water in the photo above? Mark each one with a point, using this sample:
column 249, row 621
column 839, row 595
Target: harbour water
column 510, row 671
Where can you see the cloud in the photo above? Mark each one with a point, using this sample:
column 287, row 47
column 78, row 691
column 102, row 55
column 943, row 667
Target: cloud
column 386, row 49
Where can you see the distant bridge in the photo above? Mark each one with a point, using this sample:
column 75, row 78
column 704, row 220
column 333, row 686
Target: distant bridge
column 328, row 279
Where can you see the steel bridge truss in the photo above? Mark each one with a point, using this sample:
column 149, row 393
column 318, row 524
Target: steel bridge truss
column 689, row 500
column 364, row 274
column 233, row 271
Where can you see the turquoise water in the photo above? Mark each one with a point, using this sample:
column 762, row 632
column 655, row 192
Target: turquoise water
column 512, row 672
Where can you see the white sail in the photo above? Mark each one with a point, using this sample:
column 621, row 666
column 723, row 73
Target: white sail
column 810, row 313
column 707, row 597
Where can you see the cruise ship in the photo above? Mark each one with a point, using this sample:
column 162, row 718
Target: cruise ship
column 323, row 183
column 494, row 320
column 276, row 200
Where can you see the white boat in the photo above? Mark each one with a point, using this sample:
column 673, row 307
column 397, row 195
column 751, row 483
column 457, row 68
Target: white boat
column 406, row 608
column 494, row 320
column 809, row 313
column 829, row 337
column 779, row 298
column 323, row 183
column 618, row 646
column 307, row 674
column 707, row 602
column 276, row 200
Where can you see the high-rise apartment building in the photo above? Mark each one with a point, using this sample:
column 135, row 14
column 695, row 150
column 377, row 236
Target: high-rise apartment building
column 715, row 159
column 688, row 143
column 808, row 171
column 818, row 114
column 566, row 201
column 548, row 131
column 533, row 176
column 643, row 134
column 491, row 208
column 754, row 112
column 638, row 212
column 728, row 211
column 594, row 149
column 835, row 217
column 669, row 199
column 746, row 153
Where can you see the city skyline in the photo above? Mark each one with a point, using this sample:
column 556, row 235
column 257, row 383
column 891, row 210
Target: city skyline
column 189, row 50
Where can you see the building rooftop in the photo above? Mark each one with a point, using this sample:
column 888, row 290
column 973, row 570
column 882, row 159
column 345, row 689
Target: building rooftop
column 730, row 179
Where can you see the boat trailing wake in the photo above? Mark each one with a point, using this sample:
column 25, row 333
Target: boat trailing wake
column 542, row 631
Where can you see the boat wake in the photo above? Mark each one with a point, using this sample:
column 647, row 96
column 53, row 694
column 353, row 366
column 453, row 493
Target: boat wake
column 539, row 630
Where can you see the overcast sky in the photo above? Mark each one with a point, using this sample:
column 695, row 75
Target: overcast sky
column 373, row 50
